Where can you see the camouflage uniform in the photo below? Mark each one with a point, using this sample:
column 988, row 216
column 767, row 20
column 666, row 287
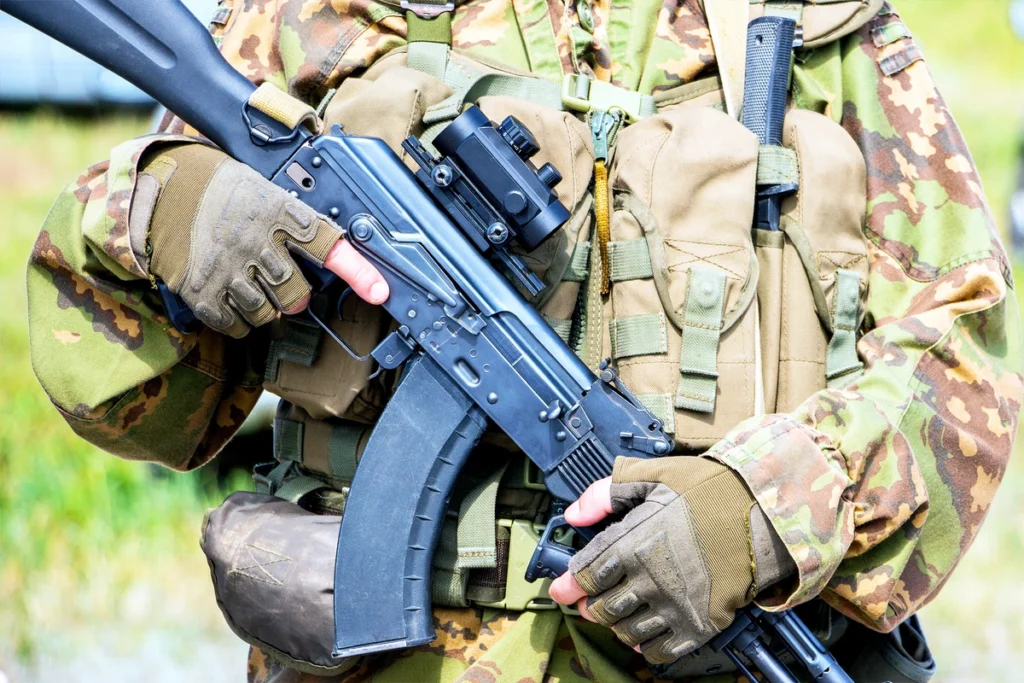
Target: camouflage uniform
column 877, row 489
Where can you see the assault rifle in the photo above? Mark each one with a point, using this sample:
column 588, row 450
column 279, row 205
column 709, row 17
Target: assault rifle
column 474, row 351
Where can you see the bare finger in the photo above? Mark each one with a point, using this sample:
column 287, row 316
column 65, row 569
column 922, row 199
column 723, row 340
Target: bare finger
column 352, row 267
column 565, row 591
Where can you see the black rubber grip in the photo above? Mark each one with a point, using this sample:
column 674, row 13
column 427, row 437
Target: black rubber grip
column 769, row 56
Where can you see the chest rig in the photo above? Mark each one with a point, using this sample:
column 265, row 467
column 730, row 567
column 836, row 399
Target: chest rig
column 708, row 321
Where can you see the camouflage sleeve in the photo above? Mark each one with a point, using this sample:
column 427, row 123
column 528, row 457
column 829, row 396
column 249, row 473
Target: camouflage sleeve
column 101, row 347
column 879, row 489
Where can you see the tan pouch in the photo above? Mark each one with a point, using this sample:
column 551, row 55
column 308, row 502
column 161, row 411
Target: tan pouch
column 824, row 21
column 682, row 329
column 814, row 272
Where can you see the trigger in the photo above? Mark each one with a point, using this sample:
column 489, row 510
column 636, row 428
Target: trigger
column 551, row 558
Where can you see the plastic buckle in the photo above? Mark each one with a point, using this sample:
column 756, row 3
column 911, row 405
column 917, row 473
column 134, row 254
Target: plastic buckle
column 583, row 94
column 519, row 593
column 533, row 478
column 427, row 10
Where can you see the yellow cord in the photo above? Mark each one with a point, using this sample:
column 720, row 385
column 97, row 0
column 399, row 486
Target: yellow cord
column 603, row 229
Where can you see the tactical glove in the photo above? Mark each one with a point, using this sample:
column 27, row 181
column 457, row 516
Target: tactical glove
column 220, row 236
column 693, row 549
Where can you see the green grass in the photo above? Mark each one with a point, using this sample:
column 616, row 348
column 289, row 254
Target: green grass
column 88, row 540
column 78, row 528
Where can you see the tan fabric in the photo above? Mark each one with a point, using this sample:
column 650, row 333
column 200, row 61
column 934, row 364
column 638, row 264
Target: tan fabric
column 825, row 21
column 684, row 182
column 823, row 228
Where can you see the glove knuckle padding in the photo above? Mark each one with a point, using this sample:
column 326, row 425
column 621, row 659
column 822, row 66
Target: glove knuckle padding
column 238, row 270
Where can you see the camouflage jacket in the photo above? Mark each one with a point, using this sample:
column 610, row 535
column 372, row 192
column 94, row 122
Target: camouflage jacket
column 877, row 489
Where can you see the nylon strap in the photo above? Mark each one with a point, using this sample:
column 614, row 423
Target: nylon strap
column 777, row 166
column 591, row 316
column 477, row 545
column 448, row 584
column 842, row 365
column 727, row 20
column 288, row 435
column 577, row 269
column 639, row 335
column 698, row 351
column 662, row 408
column 299, row 344
column 284, row 108
column 562, row 327
column 343, row 448
column 630, row 260
column 295, row 488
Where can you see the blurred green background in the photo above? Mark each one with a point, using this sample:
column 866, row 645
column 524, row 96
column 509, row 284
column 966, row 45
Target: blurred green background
column 101, row 576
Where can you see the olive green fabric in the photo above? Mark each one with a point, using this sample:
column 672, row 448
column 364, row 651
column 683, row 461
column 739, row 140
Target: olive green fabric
column 220, row 236
column 688, row 553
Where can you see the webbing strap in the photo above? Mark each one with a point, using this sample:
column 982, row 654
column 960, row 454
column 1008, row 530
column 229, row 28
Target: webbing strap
column 639, row 335
column 661, row 406
column 295, row 488
column 777, row 166
column 448, row 584
column 591, row 316
column 561, row 327
column 698, row 352
column 630, row 260
column 477, row 544
column 471, row 84
column 430, row 41
column 842, row 365
column 342, row 449
column 583, row 94
column 284, row 108
column 288, row 435
column 300, row 344
column 576, row 271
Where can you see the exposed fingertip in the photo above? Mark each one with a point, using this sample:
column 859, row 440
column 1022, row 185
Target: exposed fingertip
column 572, row 513
column 379, row 292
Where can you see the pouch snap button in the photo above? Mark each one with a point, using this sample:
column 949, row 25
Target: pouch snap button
column 586, row 15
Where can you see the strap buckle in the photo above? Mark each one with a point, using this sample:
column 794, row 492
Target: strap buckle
column 583, row 94
column 428, row 10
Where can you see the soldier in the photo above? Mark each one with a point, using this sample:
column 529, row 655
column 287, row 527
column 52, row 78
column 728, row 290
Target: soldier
column 852, row 382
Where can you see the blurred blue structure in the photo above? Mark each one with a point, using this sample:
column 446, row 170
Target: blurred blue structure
column 35, row 69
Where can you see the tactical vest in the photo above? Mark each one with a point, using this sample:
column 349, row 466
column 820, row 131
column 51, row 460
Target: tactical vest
column 708, row 321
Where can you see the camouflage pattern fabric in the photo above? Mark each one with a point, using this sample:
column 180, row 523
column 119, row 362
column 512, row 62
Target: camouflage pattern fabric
column 877, row 489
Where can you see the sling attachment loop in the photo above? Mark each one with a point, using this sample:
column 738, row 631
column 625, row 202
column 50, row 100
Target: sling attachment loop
column 283, row 108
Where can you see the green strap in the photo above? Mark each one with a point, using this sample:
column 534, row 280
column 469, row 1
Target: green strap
column 429, row 41
column 343, row 448
column 471, row 84
column 842, row 365
column 578, row 264
column 662, row 408
column 777, row 166
column 629, row 260
column 295, row 488
column 477, row 545
column 638, row 335
column 300, row 344
column 288, row 436
column 448, row 584
column 583, row 94
column 561, row 327
column 698, row 352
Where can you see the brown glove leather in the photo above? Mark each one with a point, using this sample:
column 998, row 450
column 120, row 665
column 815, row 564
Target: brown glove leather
column 693, row 548
column 220, row 236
